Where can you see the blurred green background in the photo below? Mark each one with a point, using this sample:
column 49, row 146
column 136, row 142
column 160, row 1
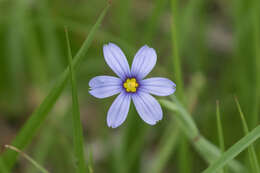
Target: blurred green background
column 219, row 48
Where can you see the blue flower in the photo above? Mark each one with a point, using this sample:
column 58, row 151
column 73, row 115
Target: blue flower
column 131, row 85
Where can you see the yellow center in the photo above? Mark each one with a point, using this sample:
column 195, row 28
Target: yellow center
column 130, row 85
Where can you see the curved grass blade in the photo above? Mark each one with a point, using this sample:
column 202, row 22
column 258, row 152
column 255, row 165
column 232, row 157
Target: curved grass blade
column 233, row 151
column 40, row 168
column 220, row 132
column 251, row 149
column 205, row 148
column 26, row 134
column 77, row 127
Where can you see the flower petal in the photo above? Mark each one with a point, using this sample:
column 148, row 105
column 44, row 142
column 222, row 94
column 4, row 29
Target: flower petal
column 118, row 111
column 158, row 86
column 105, row 86
column 116, row 60
column 144, row 61
column 147, row 107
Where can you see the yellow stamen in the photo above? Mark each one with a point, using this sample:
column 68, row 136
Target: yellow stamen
column 131, row 85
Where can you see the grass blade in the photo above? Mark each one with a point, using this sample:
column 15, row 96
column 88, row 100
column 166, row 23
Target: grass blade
column 152, row 23
column 256, row 34
column 40, row 168
column 220, row 132
column 168, row 144
column 251, row 149
column 234, row 151
column 51, row 43
column 90, row 163
column 78, row 132
column 15, row 53
column 205, row 148
column 220, row 129
column 184, row 160
column 2, row 166
column 42, row 148
column 175, row 43
column 26, row 134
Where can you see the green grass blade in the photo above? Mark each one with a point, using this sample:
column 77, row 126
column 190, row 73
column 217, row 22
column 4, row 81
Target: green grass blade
column 256, row 41
column 220, row 129
column 245, row 127
column 15, row 53
column 175, row 43
column 124, row 19
column 50, row 39
column 77, row 127
column 251, row 149
column 3, row 168
column 36, row 65
column 42, row 148
column 168, row 144
column 26, row 134
column 184, row 160
column 152, row 23
column 220, row 132
column 39, row 167
column 233, row 151
column 90, row 163
column 205, row 148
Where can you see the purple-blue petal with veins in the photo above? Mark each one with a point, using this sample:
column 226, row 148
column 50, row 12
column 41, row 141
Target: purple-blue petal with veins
column 158, row 86
column 147, row 107
column 118, row 111
column 144, row 61
column 105, row 86
column 116, row 60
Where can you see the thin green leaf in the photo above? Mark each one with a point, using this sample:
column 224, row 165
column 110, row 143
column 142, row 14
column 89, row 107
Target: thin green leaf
column 184, row 160
column 42, row 147
column 90, row 163
column 26, row 134
column 251, row 149
column 256, row 52
column 124, row 18
column 168, row 144
column 152, row 23
column 220, row 132
column 3, row 168
column 38, row 166
column 205, row 148
column 77, row 127
column 175, row 44
column 234, row 150
column 46, row 141
column 50, row 39
column 15, row 52
column 220, row 129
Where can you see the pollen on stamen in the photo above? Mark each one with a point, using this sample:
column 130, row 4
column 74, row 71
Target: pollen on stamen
column 131, row 85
